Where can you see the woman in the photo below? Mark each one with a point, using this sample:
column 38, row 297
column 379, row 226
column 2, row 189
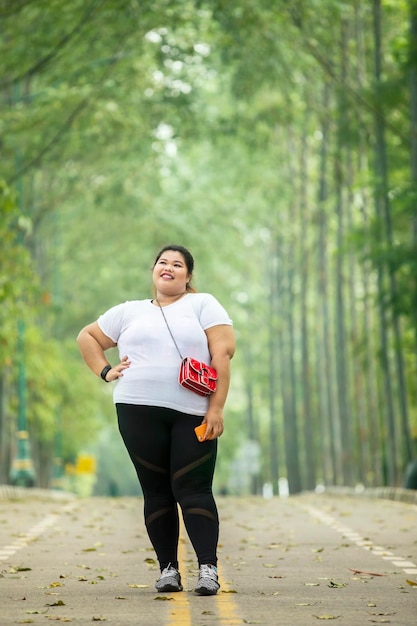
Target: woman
column 157, row 416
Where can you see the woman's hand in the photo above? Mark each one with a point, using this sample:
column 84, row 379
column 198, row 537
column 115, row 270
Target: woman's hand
column 93, row 343
column 221, row 342
column 215, row 423
column 117, row 371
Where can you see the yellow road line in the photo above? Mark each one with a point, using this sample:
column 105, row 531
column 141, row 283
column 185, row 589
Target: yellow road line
column 228, row 611
column 180, row 614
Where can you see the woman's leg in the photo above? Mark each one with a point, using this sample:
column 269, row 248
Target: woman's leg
column 146, row 432
column 192, row 470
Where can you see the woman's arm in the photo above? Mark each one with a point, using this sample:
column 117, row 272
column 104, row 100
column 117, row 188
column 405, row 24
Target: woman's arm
column 221, row 343
column 92, row 343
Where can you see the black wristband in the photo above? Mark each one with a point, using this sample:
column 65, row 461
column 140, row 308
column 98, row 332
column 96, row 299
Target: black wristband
column 104, row 372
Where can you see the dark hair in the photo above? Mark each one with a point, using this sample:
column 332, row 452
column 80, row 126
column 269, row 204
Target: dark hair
column 188, row 258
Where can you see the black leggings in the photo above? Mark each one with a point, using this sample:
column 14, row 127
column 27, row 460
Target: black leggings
column 172, row 467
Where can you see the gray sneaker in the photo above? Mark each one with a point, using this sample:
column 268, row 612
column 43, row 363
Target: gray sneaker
column 170, row 580
column 207, row 584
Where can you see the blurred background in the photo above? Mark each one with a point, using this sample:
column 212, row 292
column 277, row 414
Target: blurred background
column 278, row 141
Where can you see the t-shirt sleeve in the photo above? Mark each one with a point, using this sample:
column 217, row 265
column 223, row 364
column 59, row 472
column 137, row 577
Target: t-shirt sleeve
column 111, row 322
column 212, row 313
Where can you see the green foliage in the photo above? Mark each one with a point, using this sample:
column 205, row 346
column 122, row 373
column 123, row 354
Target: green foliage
column 244, row 130
column 17, row 278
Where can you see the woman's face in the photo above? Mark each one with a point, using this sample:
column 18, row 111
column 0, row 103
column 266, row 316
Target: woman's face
column 170, row 273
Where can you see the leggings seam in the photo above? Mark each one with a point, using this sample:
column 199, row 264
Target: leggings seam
column 190, row 467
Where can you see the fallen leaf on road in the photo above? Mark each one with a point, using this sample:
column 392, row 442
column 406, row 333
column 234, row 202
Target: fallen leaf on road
column 55, row 584
column 358, row 571
column 57, row 603
column 317, row 549
column 312, row 584
column 269, row 564
column 136, row 586
column 121, row 598
column 412, row 583
column 382, row 614
column 327, row 616
column 35, row 612
column 99, row 619
column 163, row 598
column 229, row 591
column 336, row 585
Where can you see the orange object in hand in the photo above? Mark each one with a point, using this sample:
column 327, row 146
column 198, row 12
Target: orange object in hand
column 200, row 432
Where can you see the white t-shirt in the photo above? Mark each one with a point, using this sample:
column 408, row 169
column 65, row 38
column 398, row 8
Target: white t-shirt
column 139, row 330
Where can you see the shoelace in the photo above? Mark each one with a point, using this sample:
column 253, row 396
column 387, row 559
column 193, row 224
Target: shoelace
column 208, row 572
column 168, row 571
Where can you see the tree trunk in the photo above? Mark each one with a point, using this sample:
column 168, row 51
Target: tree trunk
column 285, row 337
column 304, row 266
column 273, row 444
column 5, row 430
column 330, row 450
column 342, row 356
column 384, row 215
column 370, row 426
column 293, row 458
column 413, row 135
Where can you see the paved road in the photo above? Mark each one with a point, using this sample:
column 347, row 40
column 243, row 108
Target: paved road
column 302, row 560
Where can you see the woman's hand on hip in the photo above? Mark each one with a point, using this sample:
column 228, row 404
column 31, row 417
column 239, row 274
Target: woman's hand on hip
column 117, row 371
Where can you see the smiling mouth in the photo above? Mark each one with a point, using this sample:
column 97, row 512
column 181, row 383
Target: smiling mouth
column 165, row 275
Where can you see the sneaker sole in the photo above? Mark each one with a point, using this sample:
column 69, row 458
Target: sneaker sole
column 170, row 588
column 205, row 592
